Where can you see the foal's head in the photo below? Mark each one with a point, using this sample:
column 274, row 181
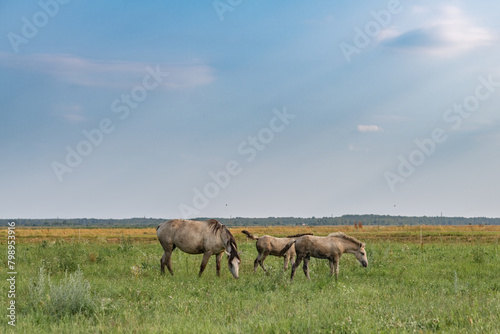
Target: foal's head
column 354, row 246
column 361, row 255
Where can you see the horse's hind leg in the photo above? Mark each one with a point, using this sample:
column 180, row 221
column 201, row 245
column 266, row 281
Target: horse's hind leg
column 166, row 259
column 305, row 267
column 162, row 264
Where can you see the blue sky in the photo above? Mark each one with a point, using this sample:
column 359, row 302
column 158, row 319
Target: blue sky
column 249, row 108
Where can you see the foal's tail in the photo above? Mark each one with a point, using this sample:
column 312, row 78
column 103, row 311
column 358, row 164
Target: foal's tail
column 287, row 247
column 250, row 235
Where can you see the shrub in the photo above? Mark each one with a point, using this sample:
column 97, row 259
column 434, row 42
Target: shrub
column 70, row 296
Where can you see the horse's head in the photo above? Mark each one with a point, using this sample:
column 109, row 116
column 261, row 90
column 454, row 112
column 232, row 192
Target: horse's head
column 233, row 259
column 361, row 255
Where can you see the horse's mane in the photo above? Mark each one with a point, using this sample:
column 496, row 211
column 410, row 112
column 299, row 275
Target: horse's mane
column 346, row 237
column 217, row 227
column 298, row 235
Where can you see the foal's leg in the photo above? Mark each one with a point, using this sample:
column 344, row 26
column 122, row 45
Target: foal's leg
column 287, row 261
column 218, row 258
column 334, row 268
column 261, row 260
column 305, row 267
column 206, row 257
column 256, row 262
column 295, row 265
column 330, row 261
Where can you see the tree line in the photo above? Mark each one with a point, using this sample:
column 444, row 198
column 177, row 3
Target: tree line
column 269, row 221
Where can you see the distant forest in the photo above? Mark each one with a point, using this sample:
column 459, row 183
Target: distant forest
column 270, row 221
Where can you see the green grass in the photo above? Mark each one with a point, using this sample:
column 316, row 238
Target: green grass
column 449, row 288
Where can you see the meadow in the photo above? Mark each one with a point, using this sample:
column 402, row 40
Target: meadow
column 419, row 280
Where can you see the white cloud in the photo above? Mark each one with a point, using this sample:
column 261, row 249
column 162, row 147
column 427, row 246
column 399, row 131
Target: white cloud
column 452, row 32
column 369, row 128
column 107, row 74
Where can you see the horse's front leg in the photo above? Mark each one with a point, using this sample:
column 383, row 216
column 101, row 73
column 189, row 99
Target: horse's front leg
column 206, row 257
column 218, row 259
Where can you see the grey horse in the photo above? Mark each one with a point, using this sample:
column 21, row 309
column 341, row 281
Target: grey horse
column 198, row 237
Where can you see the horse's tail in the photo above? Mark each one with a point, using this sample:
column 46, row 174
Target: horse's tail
column 299, row 235
column 250, row 235
column 287, row 247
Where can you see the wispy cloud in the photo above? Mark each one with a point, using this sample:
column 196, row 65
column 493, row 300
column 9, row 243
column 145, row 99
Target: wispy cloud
column 80, row 71
column 73, row 118
column 71, row 113
column 355, row 148
column 369, row 128
column 452, row 32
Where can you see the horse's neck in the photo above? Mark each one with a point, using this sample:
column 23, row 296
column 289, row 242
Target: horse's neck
column 225, row 237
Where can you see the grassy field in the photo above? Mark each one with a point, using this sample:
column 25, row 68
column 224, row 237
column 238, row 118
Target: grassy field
column 419, row 279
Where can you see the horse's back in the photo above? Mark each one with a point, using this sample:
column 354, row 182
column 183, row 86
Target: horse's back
column 188, row 235
column 167, row 229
